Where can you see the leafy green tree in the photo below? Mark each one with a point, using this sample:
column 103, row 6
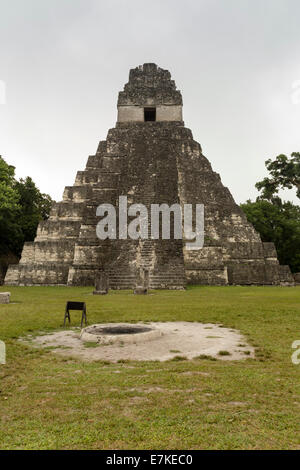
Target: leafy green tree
column 10, row 230
column 280, row 224
column 7, row 172
column 35, row 207
column 275, row 220
column 22, row 207
column 284, row 173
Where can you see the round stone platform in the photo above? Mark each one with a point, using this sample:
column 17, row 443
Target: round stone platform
column 123, row 333
column 153, row 341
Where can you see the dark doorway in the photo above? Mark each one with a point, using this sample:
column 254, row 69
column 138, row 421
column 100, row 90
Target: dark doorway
column 149, row 114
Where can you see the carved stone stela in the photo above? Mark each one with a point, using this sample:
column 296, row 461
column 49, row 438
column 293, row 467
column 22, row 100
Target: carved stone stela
column 101, row 283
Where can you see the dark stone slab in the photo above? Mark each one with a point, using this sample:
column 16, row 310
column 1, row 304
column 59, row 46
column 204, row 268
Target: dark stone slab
column 101, row 283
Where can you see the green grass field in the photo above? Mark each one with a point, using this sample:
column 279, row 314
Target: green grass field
column 53, row 402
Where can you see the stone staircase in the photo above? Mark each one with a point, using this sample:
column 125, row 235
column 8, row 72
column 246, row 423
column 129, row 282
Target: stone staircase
column 147, row 254
column 121, row 279
column 171, row 279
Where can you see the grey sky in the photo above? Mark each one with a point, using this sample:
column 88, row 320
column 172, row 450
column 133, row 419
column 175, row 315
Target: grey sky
column 64, row 62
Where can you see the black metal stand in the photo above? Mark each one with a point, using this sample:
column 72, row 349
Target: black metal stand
column 75, row 306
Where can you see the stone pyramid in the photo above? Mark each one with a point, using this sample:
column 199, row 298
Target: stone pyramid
column 150, row 157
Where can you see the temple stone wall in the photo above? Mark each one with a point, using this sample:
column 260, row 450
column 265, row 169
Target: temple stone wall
column 169, row 113
column 136, row 113
column 130, row 113
column 296, row 278
column 5, row 261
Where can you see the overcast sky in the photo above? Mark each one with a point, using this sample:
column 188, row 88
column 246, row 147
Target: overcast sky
column 63, row 63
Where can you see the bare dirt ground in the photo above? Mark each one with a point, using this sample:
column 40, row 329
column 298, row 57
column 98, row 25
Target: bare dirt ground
column 185, row 339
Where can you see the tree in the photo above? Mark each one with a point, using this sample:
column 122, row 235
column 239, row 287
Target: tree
column 35, row 207
column 277, row 221
column 280, row 224
column 284, row 173
column 7, row 172
column 22, row 207
column 10, row 209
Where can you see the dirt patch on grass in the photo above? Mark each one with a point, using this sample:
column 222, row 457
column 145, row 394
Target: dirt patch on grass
column 188, row 337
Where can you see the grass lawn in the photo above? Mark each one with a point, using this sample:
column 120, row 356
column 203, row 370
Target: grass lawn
column 53, row 402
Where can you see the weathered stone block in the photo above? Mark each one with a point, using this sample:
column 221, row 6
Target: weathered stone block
column 4, row 297
column 140, row 290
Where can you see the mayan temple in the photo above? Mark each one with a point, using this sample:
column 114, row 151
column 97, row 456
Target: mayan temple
column 150, row 157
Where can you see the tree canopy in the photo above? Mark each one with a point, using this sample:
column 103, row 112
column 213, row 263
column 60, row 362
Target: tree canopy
column 284, row 173
column 279, row 224
column 22, row 207
column 275, row 220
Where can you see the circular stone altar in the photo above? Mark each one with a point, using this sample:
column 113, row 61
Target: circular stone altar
column 123, row 333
